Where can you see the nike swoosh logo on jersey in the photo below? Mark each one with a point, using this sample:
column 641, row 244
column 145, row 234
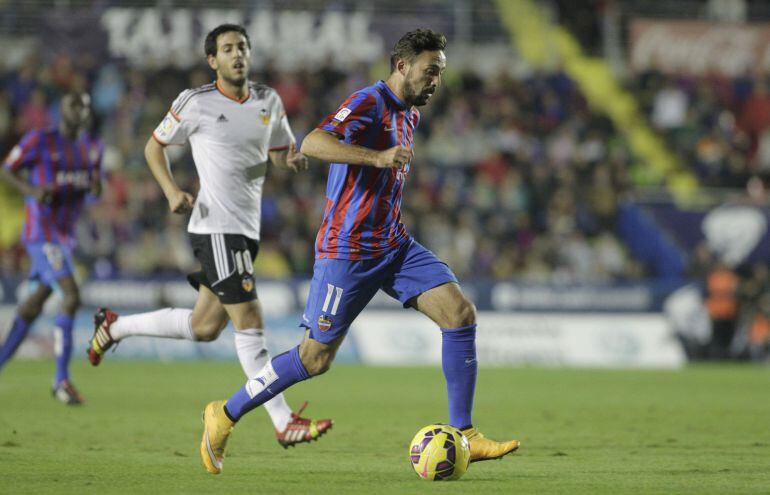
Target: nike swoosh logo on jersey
column 388, row 129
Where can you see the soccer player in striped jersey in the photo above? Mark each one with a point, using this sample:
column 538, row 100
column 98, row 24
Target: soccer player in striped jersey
column 363, row 247
column 234, row 127
column 55, row 169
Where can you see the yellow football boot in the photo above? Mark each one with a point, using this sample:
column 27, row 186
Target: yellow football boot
column 484, row 449
column 216, row 430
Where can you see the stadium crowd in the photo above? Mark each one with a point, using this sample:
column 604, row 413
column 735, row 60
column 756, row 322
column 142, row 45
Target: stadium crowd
column 720, row 126
column 512, row 177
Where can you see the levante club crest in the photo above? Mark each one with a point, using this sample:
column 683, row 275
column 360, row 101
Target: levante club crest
column 324, row 323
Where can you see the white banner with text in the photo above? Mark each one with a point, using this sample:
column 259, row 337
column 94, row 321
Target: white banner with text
column 641, row 340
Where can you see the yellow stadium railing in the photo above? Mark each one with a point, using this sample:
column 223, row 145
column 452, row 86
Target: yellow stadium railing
column 545, row 45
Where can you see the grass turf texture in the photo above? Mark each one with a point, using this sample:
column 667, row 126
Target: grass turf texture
column 700, row 430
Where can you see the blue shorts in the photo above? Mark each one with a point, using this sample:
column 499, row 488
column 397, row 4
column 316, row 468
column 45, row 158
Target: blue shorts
column 50, row 262
column 340, row 289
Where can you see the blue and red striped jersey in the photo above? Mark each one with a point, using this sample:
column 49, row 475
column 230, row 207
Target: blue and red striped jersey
column 362, row 217
column 64, row 166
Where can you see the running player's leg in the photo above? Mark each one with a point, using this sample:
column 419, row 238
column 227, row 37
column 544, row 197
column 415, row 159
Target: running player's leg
column 455, row 315
column 203, row 323
column 427, row 284
column 63, row 389
column 250, row 345
column 230, row 267
column 169, row 323
column 339, row 290
column 228, row 262
column 64, row 321
column 208, row 318
column 43, row 274
column 26, row 314
column 53, row 267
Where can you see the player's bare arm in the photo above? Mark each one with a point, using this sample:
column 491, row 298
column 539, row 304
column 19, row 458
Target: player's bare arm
column 289, row 158
column 179, row 201
column 328, row 148
column 42, row 194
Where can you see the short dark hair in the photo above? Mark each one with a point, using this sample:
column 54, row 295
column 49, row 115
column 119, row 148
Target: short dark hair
column 74, row 94
column 415, row 42
column 210, row 45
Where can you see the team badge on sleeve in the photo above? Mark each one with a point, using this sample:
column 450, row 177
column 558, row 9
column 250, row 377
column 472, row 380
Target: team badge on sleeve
column 165, row 130
column 15, row 154
column 342, row 114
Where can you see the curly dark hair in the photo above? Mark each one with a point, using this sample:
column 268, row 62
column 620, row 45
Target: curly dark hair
column 415, row 42
column 210, row 45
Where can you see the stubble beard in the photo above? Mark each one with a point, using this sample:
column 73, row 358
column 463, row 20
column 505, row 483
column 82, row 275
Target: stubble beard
column 235, row 80
column 412, row 97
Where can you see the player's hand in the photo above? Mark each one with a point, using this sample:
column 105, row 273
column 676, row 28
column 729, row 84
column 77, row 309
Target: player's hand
column 180, row 201
column 295, row 161
column 394, row 157
column 43, row 195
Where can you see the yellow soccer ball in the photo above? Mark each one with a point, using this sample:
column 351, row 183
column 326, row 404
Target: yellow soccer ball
column 439, row 452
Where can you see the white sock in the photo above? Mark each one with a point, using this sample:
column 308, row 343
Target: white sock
column 253, row 355
column 169, row 323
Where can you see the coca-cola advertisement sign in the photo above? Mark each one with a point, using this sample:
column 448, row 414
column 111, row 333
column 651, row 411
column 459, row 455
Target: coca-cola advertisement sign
column 699, row 47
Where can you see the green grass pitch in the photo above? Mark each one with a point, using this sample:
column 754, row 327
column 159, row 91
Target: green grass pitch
column 705, row 429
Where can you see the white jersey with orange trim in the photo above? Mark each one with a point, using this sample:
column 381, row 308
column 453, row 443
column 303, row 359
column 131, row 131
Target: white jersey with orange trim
column 230, row 141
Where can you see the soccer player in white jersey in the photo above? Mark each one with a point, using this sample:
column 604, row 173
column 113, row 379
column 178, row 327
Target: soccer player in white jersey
column 233, row 126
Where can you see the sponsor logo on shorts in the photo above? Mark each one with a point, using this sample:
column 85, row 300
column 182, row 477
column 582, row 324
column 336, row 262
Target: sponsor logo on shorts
column 247, row 283
column 324, row 323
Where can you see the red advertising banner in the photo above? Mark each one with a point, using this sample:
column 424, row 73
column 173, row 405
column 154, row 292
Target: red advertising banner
column 700, row 47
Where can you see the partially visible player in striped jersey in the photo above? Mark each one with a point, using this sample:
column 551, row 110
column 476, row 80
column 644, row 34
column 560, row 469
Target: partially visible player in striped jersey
column 233, row 127
column 55, row 169
column 362, row 247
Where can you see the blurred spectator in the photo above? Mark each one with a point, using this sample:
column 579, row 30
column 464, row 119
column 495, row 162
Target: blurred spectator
column 669, row 108
column 755, row 114
column 33, row 113
column 759, row 331
column 722, row 305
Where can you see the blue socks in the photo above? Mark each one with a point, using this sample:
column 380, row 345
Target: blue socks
column 280, row 373
column 63, row 346
column 19, row 330
column 458, row 360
